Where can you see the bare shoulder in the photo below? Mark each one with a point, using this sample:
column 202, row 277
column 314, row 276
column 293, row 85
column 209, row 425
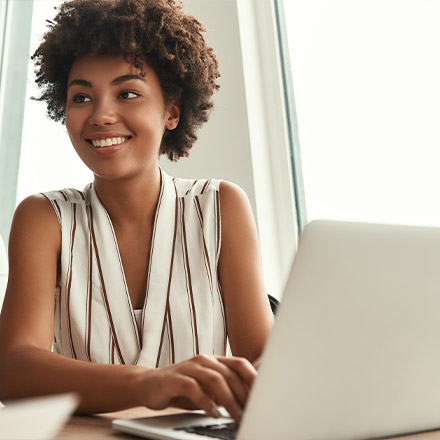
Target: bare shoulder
column 234, row 205
column 35, row 216
column 35, row 234
column 230, row 193
column 35, row 206
column 239, row 231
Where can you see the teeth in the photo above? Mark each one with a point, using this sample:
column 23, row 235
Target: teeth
column 108, row 142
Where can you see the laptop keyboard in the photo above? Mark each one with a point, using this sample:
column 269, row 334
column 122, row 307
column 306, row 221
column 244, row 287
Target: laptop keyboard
column 224, row 431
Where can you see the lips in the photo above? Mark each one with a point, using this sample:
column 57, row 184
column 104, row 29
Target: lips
column 108, row 142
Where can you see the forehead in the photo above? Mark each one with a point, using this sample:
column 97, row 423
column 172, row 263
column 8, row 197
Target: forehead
column 105, row 68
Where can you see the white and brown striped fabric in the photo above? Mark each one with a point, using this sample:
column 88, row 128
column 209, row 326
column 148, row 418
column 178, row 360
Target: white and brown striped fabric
column 183, row 314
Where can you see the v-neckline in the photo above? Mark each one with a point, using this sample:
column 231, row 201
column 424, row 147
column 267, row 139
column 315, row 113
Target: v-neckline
column 132, row 342
column 151, row 247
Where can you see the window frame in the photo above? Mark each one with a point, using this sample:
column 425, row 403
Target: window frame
column 272, row 130
column 16, row 17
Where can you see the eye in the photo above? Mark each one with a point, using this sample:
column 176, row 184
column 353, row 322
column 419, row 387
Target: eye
column 80, row 99
column 129, row 95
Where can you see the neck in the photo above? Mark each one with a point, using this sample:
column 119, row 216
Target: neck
column 130, row 202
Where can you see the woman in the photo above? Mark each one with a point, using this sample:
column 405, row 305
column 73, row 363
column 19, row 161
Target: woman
column 153, row 275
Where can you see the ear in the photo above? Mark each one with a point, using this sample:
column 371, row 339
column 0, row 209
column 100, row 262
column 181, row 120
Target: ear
column 173, row 116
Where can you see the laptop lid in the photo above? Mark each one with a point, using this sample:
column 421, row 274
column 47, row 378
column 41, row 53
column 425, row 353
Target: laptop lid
column 355, row 350
column 38, row 418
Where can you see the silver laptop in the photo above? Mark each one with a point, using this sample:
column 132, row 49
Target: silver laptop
column 355, row 350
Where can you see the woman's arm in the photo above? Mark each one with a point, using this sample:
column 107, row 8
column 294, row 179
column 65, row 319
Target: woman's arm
column 248, row 314
column 27, row 365
column 29, row 368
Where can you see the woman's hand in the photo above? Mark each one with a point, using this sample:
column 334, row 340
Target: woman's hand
column 203, row 382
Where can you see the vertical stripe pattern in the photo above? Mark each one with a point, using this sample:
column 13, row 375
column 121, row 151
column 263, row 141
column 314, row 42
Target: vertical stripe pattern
column 104, row 294
column 69, row 279
column 89, row 289
column 183, row 312
column 189, row 288
column 167, row 317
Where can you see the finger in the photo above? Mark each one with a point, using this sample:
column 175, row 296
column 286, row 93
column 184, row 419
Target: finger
column 186, row 390
column 184, row 403
column 242, row 367
column 217, row 387
column 233, row 380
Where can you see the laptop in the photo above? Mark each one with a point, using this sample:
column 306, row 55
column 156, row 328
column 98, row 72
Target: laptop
column 355, row 349
column 37, row 418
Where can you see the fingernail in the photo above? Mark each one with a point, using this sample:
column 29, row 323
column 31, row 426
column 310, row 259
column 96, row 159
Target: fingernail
column 216, row 412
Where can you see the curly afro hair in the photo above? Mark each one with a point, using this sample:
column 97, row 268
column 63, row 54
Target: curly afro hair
column 154, row 31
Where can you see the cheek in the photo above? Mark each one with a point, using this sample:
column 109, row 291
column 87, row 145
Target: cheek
column 145, row 124
column 72, row 124
column 73, row 128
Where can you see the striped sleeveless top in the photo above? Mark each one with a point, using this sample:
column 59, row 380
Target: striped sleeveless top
column 183, row 313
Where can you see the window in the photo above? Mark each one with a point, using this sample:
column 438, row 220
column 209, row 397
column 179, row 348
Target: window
column 15, row 20
column 45, row 143
column 367, row 93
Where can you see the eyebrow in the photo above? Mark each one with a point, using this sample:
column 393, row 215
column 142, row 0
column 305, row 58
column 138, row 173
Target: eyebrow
column 123, row 78
column 115, row 82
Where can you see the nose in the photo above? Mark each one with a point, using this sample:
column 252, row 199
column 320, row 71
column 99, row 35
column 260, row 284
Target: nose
column 103, row 113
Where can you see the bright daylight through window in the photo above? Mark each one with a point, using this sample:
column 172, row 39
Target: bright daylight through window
column 43, row 138
column 367, row 92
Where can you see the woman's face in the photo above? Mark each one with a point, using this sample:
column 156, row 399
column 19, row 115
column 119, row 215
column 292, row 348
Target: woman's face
column 116, row 118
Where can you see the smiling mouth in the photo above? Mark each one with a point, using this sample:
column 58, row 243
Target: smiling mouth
column 108, row 142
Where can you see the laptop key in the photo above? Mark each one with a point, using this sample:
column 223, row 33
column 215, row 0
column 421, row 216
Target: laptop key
column 223, row 431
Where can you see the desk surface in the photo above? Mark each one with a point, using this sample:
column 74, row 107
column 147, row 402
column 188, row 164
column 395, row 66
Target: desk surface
column 99, row 427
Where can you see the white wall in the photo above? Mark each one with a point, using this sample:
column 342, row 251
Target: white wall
column 223, row 148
